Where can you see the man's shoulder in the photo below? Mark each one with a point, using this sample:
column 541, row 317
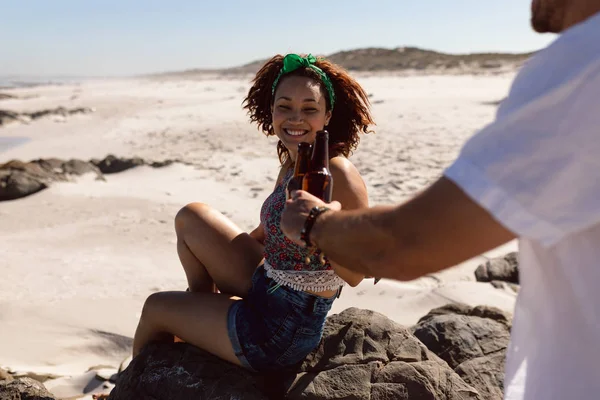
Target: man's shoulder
column 570, row 57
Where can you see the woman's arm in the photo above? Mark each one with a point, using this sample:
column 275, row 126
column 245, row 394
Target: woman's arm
column 350, row 190
column 258, row 233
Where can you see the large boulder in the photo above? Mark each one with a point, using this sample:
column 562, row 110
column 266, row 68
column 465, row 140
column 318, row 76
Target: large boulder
column 179, row 371
column 19, row 179
column 363, row 355
column 473, row 341
column 23, row 389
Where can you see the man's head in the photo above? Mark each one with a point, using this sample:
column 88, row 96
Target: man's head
column 554, row 16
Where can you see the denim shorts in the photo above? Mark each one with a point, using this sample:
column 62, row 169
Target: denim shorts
column 275, row 327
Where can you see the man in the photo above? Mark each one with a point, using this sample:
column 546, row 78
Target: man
column 534, row 173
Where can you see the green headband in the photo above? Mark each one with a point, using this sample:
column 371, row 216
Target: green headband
column 292, row 62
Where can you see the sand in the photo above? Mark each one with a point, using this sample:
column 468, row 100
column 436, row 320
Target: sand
column 78, row 259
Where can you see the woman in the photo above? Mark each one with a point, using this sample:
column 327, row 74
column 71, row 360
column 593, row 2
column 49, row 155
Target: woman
column 272, row 306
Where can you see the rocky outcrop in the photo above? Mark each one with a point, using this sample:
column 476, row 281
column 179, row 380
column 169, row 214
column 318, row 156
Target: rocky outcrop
column 456, row 352
column 500, row 271
column 19, row 179
column 363, row 355
column 6, row 96
column 473, row 341
column 7, row 116
column 23, row 389
column 111, row 164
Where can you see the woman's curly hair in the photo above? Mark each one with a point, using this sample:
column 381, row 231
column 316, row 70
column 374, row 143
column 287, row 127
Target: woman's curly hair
column 350, row 115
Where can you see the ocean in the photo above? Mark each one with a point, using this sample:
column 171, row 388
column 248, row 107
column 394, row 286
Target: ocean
column 15, row 81
column 7, row 142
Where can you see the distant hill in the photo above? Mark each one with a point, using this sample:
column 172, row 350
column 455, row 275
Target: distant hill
column 399, row 59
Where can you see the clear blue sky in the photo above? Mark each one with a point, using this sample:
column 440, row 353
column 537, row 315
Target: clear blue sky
column 118, row 37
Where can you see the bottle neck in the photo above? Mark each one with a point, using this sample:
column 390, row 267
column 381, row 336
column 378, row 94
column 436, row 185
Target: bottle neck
column 303, row 161
column 320, row 155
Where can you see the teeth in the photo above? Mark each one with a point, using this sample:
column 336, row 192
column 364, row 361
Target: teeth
column 294, row 133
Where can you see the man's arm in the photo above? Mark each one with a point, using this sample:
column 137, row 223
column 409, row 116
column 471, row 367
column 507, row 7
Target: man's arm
column 437, row 229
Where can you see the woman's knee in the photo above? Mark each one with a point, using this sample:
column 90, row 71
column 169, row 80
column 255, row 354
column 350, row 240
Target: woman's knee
column 153, row 307
column 191, row 213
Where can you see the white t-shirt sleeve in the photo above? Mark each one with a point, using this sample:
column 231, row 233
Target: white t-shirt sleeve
column 536, row 168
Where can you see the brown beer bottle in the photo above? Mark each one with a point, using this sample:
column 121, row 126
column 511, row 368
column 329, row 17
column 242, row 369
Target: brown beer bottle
column 301, row 168
column 318, row 180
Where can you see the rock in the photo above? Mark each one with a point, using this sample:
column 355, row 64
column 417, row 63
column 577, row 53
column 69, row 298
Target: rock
column 19, row 179
column 5, row 376
column 363, row 355
column 112, row 164
column 37, row 376
column 180, row 371
column 17, row 184
column 160, row 164
column 369, row 356
column 473, row 341
column 486, row 374
column 499, row 269
column 24, row 389
column 7, row 116
column 6, row 96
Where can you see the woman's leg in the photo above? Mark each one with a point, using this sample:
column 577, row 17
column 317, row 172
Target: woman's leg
column 212, row 249
column 198, row 318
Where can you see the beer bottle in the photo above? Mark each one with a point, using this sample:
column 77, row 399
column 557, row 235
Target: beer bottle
column 301, row 167
column 318, row 180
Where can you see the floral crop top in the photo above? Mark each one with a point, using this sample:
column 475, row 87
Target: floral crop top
column 284, row 259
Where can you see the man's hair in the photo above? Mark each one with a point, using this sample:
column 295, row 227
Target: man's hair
column 350, row 115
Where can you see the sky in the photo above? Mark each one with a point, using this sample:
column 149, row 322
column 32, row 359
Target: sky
column 127, row 37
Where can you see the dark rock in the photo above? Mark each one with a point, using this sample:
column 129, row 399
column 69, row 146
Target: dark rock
column 17, row 184
column 9, row 116
column 112, row 164
column 19, row 179
column 61, row 111
column 363, row 355
column 499, row 269
column 180, row 371
column 507, row 286
column 473, row 341
column 160, row 164
column 79, row 167
column 24, row 389
column 6, row 96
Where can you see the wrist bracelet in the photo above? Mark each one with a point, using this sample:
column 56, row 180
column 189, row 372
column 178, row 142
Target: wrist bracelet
column 308, row 224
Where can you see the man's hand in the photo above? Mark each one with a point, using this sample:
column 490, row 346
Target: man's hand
column 296, row 211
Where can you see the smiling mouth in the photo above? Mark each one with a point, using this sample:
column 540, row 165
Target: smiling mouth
column 295, row 132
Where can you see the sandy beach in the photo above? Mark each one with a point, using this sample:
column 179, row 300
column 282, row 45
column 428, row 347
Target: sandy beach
column 78, row 259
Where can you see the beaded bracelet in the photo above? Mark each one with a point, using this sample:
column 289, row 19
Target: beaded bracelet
column 308, row 224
